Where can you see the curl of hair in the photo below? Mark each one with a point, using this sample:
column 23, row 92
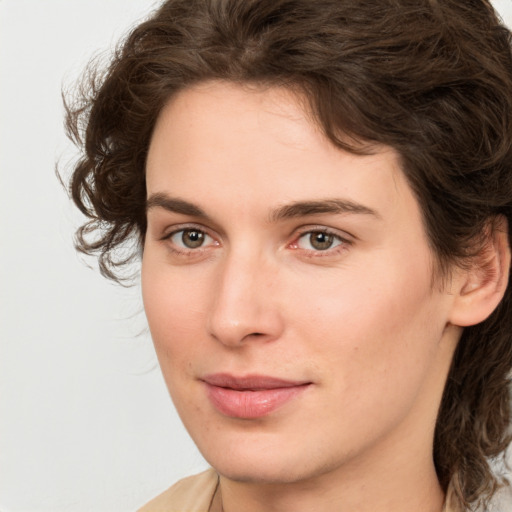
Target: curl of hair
column 430, row 78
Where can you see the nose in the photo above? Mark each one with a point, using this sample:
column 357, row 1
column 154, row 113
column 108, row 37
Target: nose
column 245, row 306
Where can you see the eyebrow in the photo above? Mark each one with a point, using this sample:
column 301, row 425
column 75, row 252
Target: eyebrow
column 305, row 208
column 287, row 211
column 174, row 205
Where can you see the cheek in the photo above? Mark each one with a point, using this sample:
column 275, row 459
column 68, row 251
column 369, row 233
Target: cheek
column 378, row 325
column 174, row 305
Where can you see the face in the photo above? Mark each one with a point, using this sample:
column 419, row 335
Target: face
column 288, row 289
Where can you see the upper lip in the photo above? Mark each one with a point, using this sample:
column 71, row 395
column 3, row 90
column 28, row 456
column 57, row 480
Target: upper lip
column 250, row 382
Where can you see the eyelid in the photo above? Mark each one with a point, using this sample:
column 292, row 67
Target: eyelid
column 178, row 250
column 176, row 228
column 345, row 238
column 320, row 228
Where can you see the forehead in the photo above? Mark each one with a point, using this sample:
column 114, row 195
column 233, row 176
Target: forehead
column 255, row 146
column 218, row 114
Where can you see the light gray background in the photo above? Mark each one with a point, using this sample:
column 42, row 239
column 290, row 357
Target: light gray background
column 85, row 420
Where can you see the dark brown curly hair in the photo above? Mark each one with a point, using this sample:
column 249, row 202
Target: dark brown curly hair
column 430, row 78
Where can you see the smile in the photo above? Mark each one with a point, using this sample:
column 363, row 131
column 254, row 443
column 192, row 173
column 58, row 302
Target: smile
column 250, row 397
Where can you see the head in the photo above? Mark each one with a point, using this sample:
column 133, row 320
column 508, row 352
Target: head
column 422, row 88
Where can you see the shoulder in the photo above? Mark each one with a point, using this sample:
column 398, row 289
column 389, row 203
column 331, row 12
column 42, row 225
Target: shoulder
column 192, row 494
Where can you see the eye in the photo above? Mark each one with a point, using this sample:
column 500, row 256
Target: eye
column 190, row 238
column 318, row 241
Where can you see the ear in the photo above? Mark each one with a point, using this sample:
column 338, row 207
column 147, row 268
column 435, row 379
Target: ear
column 479, row 288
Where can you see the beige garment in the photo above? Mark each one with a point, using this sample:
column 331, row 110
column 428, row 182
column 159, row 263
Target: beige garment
column 199, row 493
column 192, row 494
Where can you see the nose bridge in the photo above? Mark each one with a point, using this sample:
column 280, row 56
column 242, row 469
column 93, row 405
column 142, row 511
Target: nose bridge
column 243, row 307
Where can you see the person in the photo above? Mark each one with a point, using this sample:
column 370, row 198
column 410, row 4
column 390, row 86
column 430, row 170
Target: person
column 321, row 196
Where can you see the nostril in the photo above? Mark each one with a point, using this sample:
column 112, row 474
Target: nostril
column 254, row 335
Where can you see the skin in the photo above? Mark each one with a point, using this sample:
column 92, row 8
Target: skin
column 360, row 321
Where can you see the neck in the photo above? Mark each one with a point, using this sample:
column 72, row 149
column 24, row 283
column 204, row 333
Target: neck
column 358, row 491
column 396, row 475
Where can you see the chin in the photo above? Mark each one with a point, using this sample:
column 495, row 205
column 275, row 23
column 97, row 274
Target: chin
column 263, row 462
column 248, row 472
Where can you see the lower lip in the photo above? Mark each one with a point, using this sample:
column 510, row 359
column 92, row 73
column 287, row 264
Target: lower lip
column 251, row 404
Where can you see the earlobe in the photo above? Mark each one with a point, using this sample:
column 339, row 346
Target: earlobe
column 480, row 287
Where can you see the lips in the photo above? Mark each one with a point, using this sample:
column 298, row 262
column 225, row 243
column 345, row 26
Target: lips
column 252, row 396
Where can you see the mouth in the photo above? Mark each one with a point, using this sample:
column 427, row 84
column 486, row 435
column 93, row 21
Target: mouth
column 252, row 396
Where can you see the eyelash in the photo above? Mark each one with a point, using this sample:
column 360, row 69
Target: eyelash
column 342, row 245
column 342, row 242
column 182, row 251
